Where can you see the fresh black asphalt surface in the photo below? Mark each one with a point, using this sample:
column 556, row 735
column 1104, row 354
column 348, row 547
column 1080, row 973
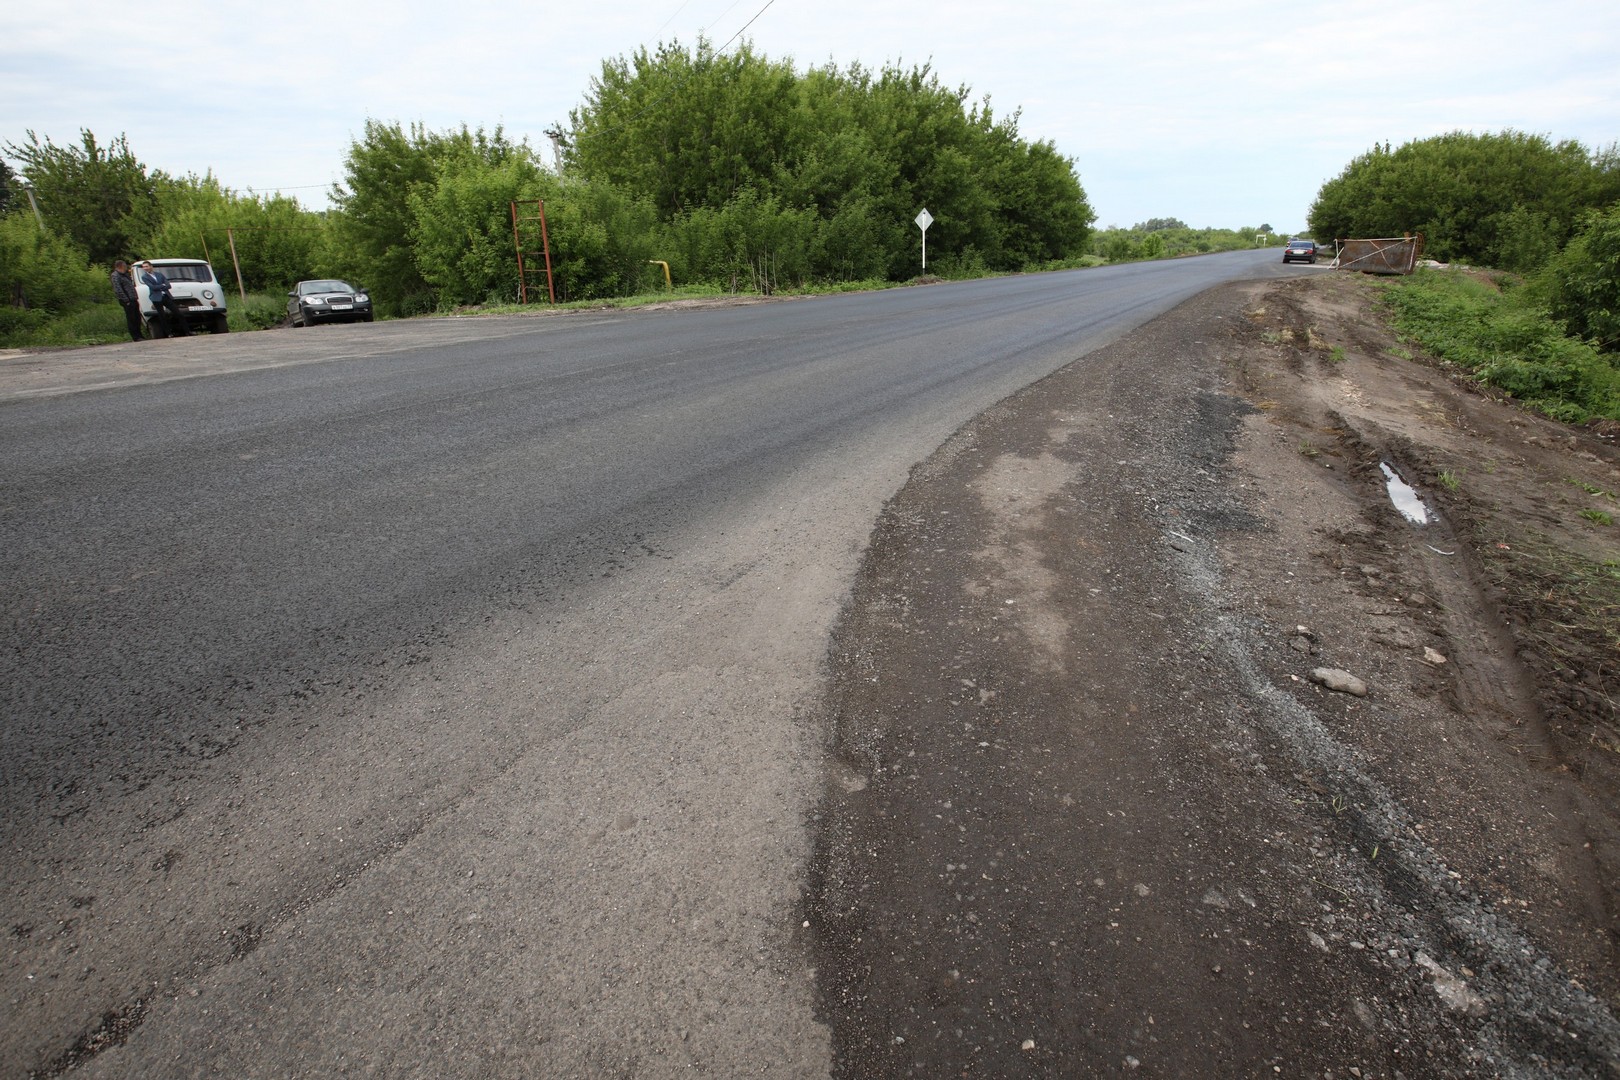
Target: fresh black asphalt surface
column 298, row 659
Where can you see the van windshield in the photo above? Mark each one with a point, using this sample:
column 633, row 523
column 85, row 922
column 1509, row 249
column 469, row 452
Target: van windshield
column 186, row 272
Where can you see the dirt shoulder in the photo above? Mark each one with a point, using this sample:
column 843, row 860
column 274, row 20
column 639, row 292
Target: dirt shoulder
column 1095, row 813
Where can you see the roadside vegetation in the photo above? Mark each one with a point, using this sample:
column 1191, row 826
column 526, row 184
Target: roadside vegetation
column 1169, row 238
column 741, row 173
column 1500, row 330
column 1543, row 325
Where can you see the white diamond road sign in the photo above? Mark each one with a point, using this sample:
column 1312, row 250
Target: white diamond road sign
column 924, row 220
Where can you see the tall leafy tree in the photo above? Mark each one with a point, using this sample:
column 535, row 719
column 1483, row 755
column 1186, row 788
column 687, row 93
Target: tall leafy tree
column 1508, row 198
column 461, row 231
column 842, row 160
column 372, row 235
column 42, row 274
column 99, row 196
column 275, row 240
column 1582, row 282
column 687, row 128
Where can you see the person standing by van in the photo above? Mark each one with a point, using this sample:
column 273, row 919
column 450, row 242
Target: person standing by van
column 163, row 303
column 123, row 284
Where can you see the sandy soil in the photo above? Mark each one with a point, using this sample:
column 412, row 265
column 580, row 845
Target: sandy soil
column 1097, row 812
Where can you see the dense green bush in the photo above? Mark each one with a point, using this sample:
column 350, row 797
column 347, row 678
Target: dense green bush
column 100, row 197
column 461, row 229
column 1506, row 200
column 779, row 176
column 260, row 311
column 1582, row 283
column 752, row 243
column 739, row 171
column 1506, row 339
column 1162, row 238
column 603, row 240
column 43, row 278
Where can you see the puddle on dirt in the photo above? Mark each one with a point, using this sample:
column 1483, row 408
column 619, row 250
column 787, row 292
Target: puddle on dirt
column 1405, row 499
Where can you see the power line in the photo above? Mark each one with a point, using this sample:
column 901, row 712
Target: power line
column 746, row 25
column 659, row 101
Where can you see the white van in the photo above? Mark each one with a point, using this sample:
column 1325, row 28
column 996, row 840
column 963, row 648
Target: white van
column 197, row 292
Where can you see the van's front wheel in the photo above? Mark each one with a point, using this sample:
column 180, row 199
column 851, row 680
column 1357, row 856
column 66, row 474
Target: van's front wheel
column 219, row 324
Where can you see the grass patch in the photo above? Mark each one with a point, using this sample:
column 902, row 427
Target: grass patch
column 102, row 323
column 1598, row 517
column 259, row 312
column 1505, row 339
column 1569, row 604
column 1590, row 489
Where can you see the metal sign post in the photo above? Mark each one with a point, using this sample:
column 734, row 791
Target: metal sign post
column 924, row 220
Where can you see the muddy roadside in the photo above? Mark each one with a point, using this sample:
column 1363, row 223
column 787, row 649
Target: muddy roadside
column 1094, row 809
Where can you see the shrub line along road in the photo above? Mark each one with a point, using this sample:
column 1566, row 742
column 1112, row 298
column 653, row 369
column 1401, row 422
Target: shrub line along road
column 441, row 698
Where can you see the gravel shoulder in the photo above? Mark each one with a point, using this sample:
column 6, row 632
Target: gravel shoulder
column 1093, row 808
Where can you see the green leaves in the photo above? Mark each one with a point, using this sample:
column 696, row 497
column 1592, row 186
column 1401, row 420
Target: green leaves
column 1583, row 282
column 1505, row 338
column 1505, row 199
column 100, row 197
column 750, row 157
column 738, row 170
column 42, row 274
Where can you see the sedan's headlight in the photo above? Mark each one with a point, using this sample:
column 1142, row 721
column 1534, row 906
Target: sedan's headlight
column 315, row 301
column 361, row 298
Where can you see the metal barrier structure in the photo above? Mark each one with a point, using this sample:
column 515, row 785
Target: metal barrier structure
column 1398, row 255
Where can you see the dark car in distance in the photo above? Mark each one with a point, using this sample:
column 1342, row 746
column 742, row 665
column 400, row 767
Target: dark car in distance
column 1303, row 250
column 327, row 300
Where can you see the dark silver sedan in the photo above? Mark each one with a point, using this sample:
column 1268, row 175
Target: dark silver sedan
column 327, row 300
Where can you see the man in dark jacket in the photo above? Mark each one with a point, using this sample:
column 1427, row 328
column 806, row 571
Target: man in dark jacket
column 170, row 317
column 124, row 289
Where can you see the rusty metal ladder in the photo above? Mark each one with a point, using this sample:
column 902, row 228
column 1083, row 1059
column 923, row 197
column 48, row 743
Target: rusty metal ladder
column 523, row 226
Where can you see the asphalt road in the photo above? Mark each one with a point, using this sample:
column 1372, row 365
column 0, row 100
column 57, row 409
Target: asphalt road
column 431, row 698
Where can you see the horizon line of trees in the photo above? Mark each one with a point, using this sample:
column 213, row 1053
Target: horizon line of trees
column 739, row 171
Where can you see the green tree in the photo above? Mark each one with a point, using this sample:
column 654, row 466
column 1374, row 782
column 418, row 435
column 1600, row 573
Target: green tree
column 685, row 128
column 372, row 230
column 1503, row 199
column 461, row 231
column 276, row 241
column 99, row 196
column 602, row 239
column 1582, row 283
column 42, row 274
column 723, row 145
column 8, row 181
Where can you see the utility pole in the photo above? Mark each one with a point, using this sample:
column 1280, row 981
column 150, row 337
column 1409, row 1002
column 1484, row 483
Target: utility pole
column 555, row 134
column 39, row 217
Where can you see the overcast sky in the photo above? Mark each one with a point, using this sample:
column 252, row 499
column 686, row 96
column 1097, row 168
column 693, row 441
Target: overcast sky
column 1221, row 114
